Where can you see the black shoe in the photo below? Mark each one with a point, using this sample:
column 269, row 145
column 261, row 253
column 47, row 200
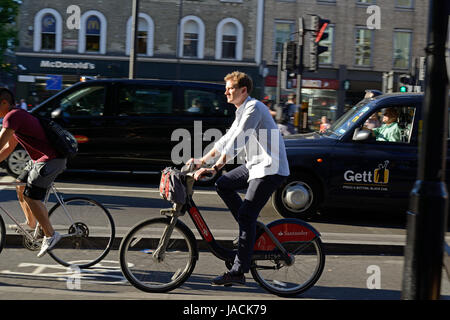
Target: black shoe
column 228, row 279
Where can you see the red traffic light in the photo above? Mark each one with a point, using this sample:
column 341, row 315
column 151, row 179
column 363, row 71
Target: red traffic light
column 323, row 24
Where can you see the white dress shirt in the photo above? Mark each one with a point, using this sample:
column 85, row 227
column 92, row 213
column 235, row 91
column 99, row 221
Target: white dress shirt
column 255, row 131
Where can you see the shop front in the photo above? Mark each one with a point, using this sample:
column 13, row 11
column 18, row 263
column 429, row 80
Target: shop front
column 40, row 77
column 320, row 95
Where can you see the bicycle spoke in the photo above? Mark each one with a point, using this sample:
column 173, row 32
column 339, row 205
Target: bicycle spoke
column 92, row 230
column 153, row 275
column 292, row 279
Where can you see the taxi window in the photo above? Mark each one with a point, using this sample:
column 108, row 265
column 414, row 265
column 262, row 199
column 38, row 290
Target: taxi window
column 392, row 124
column 203, row 101
column 346, row 122
column 145, row 100
column 88, row 101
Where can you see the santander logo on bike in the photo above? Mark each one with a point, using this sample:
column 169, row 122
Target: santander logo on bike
column 293, row 233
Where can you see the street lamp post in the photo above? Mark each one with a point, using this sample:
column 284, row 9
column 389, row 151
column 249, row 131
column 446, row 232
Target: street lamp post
column 427, row 214
column 133, row 38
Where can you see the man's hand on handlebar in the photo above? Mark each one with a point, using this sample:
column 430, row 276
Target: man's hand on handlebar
column 201, row 172
column 204, row 172
column 196, row 162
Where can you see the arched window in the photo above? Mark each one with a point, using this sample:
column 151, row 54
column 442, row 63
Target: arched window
column 47, row 31
column 92, row 34
column 229, row 37
column 192, row 37
column 146, row 28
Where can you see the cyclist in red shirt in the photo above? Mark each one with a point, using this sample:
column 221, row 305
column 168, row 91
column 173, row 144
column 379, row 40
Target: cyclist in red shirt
column 21, row 127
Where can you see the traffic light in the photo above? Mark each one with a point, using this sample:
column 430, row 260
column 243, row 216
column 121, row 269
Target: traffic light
column 405, row 81
column 289, row 56
column 318, row 26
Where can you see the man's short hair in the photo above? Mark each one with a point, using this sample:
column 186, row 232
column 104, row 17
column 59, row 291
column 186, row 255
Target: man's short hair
column 241, row 79
column 393, row 112
column 6, row 94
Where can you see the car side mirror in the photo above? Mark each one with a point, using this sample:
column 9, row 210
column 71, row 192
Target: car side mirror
column 57, row 113
column 361, row 134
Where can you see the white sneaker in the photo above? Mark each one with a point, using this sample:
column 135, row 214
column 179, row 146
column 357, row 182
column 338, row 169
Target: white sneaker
column 48, row 243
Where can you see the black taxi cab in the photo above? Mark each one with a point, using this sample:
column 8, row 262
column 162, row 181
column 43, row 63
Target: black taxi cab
column 347, row 167
column 139, row 125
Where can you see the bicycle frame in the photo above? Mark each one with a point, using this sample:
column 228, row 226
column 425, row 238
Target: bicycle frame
column 52, row 189
column 267, row 245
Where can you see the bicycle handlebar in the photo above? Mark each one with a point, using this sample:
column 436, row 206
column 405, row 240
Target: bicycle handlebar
column 190, row 168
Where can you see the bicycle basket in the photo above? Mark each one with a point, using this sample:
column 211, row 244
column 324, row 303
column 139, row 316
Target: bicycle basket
column 171, row 186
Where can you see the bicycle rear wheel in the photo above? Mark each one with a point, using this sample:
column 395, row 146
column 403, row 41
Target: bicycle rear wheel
column 91, row 229
column 283, row 280
column 148, row 273
column 2, row 234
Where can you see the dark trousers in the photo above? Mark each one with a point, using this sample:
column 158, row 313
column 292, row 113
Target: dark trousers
column 246, row 211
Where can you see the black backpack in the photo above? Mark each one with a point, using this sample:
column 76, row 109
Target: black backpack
column 62, row 140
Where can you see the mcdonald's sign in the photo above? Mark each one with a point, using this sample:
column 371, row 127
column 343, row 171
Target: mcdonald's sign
column 93, row 25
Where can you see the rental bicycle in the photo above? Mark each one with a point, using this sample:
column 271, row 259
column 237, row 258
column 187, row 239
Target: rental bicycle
column 87, row 229
column 159, row 254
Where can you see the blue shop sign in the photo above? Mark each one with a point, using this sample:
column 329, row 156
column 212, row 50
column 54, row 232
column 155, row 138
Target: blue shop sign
column 54, row 82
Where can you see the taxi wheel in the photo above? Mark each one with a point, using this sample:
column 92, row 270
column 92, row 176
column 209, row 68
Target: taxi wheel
column 16, row 162
column 299, row 197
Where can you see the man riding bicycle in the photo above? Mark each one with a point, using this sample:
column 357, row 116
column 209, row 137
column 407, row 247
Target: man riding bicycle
column 265, row 168
column 19, row 126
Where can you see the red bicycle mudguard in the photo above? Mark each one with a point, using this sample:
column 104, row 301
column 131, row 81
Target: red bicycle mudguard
column 286, row 230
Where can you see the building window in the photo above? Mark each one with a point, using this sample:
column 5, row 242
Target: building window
column 192, row 37
column 283, row 32
column 327, row 56
column 365, row 1
column 402, row 49
column 229, row 46
column 229, row 39
column 92, row 34
column 145, row 35
column 190, row 40
column 326, row 1
column 404, row 3
column 47, row 31
column 363, row 47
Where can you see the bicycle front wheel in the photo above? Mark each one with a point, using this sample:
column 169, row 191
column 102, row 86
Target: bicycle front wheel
column 87, row 230
column 150, row 272
column 289, row 280
column 2, row 234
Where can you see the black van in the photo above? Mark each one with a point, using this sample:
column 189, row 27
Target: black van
column 135, row 125
column 346, row 167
